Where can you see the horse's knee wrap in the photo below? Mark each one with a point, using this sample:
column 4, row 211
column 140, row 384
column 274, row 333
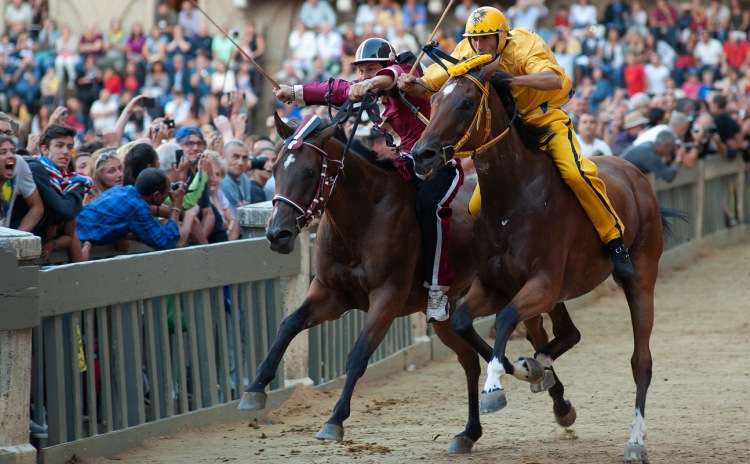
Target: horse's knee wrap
column 507, row 319
column 461, row 320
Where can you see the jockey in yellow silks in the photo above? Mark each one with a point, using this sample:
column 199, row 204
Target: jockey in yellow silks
column 540, row 87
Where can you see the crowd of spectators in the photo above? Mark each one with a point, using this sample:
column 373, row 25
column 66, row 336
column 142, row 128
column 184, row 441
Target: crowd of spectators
column 173, row 188
column 638, row 69
column 116, row 135
column 184, row 65
column 104, row 133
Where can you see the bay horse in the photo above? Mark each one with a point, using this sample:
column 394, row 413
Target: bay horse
column 368, row 257
column 538, row 247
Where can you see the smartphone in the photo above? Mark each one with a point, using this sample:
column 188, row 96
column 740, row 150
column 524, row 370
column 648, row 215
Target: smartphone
column 148, row 102
column 178, row 156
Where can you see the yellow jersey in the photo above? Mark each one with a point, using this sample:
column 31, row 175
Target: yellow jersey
column 525, row 53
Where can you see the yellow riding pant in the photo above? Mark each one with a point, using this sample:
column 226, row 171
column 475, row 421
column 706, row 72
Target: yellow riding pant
column 577, row 171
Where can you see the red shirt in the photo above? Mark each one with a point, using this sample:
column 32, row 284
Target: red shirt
column 113, row 84
column 398, row 120
column 635, row 79
column 736, row 53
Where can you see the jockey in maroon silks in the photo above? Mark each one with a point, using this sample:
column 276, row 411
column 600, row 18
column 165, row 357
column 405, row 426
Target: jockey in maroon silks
column 378, row 70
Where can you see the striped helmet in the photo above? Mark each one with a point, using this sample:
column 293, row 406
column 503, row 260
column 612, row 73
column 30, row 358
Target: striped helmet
column 375, row 50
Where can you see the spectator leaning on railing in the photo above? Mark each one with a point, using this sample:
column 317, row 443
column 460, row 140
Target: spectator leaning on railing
column 125, row 212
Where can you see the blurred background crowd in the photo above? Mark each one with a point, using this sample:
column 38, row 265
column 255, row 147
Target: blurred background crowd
column 83, row 112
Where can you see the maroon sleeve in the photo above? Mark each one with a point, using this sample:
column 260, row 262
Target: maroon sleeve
column 314, row 93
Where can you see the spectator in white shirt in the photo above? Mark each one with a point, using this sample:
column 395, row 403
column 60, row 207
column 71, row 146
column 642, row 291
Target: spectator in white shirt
column 678, row 125
column 329, row 44
column 189, row 19
column 708, row 50
column 526, row 13
column 582, row 14
column 403, row 41
column 18, row 16
column 657, row 76
column 104, row 112
column 590, row 145
column 299, row 43
column 315, row 13
column 367, row 13
column 223, row 79
column 178, row 109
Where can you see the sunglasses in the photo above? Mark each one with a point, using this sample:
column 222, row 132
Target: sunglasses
column 104, row 157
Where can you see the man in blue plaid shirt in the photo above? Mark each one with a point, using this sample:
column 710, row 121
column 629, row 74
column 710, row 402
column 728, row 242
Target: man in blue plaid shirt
column 121, row 211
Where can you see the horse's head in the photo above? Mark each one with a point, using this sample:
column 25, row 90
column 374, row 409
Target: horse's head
column 459, row 122
column 304, row 175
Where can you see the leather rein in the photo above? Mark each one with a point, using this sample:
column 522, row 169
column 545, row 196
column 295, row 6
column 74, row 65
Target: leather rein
column 331, row 168
column 451, row 151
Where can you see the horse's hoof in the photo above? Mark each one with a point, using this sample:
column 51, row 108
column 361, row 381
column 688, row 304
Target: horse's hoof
column 461, row 444
column 635, row 454
column 529, row 369
column 568, row 419
column 492, row 401
column 252, row 401
column 331, row 432
column 548, row 381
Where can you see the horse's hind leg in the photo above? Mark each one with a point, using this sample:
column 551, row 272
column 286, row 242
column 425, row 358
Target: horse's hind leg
column 639, row 292
column 321, row 304
column 463, row 442
column 379, row 319
column 566, row 336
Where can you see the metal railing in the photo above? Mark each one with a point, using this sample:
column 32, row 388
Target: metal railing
column 135, row 339
column 712, row 194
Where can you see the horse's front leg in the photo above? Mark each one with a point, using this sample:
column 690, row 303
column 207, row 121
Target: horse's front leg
column 384, row 305
column 321, row 304
column 534, row 299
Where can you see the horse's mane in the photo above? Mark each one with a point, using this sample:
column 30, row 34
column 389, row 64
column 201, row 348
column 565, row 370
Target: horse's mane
column 531, row 136
column 357, row 149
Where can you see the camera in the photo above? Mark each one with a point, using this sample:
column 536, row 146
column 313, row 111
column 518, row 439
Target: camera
column 169, row 122
column 178, row 154
column 235, row 34
column 259, row 162
column 174, row 186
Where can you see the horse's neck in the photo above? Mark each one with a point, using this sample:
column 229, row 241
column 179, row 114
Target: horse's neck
column 358, row 190
column 511, row 176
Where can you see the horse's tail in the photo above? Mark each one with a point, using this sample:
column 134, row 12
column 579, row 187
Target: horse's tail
column 668, row 213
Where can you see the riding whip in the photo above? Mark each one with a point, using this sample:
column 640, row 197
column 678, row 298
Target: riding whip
column 432, row 36
column 239, row 48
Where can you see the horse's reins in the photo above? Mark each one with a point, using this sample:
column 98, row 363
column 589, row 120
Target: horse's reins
column 451, row 151
column 327, row 180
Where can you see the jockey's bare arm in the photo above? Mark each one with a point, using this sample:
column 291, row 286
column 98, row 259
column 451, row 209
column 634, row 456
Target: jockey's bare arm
column 313, row 93
column 545, row 80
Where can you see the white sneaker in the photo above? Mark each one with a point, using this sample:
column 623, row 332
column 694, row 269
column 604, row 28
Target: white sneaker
column 437, row 305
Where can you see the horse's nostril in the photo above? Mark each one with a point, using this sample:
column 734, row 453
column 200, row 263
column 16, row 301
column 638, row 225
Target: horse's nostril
column 283, row 234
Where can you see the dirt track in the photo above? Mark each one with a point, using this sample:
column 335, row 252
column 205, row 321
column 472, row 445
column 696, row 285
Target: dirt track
column 698, row 408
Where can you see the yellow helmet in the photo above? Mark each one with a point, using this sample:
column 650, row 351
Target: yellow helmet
column 485, row 21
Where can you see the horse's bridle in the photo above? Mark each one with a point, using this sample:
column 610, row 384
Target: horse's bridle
column 451, row 151
column 327, row 180
column 323, row 192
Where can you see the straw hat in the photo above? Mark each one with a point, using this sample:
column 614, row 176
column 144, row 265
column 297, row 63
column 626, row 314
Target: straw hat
column 634, row 119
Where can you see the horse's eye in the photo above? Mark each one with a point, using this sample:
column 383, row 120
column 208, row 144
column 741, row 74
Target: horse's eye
column 466, row 104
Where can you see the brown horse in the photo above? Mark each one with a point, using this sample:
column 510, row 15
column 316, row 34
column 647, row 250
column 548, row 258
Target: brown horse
column 538, row 247
column 368, row 257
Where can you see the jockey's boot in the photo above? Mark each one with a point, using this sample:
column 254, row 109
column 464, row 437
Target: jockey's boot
column 437, row 305
column 618, row 252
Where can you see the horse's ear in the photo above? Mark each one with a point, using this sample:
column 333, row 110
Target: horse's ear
column 329, row 131
column 282, row 128
column 489, row 69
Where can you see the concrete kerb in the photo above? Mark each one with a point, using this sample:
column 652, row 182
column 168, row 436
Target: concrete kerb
column 122, row 440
